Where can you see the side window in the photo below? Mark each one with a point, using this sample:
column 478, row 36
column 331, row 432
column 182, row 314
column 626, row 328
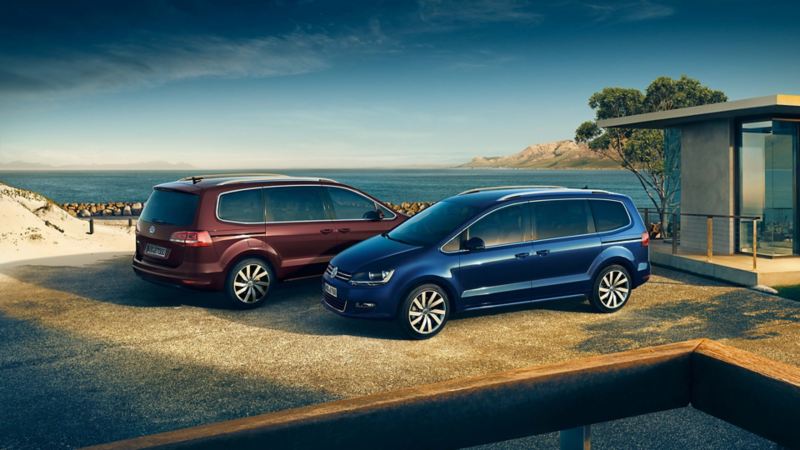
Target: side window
column 454, row 244
column 387, row 213
column 293, row 204
column 560, row 218
column 347, row 205
column 242, row 206
column 609, row 215
column 504, row 226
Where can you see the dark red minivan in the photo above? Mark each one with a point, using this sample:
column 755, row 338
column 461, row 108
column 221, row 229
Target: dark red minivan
column 241, row 234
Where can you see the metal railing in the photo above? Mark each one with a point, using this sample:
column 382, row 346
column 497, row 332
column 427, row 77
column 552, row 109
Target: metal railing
column 710, row 233
column 746, row 390
column 673, row 231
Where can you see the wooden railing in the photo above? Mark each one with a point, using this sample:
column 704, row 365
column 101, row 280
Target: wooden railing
column 749, row 391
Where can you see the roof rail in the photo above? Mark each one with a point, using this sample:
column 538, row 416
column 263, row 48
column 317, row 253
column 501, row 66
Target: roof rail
column 497, row 188
column 237, row 180
column 198, row 178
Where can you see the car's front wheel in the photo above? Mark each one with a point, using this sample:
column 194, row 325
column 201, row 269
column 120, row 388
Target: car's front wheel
column 424, row 312
column 249, row 283
column 612, row 289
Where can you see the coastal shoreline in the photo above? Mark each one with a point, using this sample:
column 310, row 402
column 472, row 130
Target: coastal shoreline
column 113, row 210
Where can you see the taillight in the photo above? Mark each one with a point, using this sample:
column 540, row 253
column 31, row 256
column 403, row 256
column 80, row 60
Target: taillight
column 645, row 239
column 191, row 238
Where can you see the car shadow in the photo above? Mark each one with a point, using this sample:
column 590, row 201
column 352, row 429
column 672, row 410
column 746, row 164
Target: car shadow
column 108, row 279
column 738, row 314
column 294, row 306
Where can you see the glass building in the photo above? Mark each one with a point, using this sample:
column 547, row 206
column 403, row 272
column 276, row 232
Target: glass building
column 734, row 160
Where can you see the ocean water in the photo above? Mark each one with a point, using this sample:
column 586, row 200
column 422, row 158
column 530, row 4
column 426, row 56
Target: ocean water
column 388, row 185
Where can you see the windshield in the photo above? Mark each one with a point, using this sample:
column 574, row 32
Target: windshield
column 170, row 207
column 433, row 224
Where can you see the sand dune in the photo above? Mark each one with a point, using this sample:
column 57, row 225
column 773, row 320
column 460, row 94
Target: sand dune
column 33, row 227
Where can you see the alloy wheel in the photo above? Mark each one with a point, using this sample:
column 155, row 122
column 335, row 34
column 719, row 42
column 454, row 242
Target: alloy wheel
column 427, row 312
column 614, row 289
column 251, row 283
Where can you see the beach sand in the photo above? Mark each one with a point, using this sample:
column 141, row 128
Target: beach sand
column 33, row 227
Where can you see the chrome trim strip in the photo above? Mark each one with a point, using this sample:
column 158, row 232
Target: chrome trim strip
column 630, row 222
column 496, row 289
column 376, row 202
column 326, row 297
column 522, row 302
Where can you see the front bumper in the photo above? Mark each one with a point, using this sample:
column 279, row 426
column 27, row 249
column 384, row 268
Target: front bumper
column 353, row 301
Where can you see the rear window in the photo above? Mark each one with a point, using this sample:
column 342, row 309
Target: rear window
column 242, row 206
column 170, row 208
column 609, row 215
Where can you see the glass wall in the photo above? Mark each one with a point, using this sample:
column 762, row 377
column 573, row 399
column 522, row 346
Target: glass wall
column 767, row 172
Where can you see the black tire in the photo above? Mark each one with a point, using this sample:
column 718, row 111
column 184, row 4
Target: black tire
column 612, row 289
column 420, row 315
column 245, row 283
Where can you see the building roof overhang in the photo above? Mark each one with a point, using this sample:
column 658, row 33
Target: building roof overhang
column 770, row 105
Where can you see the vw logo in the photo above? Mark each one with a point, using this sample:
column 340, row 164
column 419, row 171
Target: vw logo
column 152, row 229
column 334, row 271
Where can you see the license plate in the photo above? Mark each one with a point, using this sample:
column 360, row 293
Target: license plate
column 155, row 251
column 330, row 290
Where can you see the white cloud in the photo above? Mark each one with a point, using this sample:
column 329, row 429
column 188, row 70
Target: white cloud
column 153, row 59
column 450, row 14
column 635, row 11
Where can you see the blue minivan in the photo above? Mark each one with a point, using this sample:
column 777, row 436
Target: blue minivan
column 493, row 247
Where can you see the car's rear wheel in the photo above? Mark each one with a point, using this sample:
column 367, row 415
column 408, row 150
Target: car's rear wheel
column 424, row 312
column 612, row 289
column 249, row 283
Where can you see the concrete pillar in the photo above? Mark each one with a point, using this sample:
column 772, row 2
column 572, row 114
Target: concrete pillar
column 707, row 184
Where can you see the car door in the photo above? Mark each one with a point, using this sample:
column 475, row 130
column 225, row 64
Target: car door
column 241, row 216
column 564, row 247
column 350, row 210
column 300, row 228
column 499, row 273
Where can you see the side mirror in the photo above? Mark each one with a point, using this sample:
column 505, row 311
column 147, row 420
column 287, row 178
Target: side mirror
column 372, row 216
column 473, row 244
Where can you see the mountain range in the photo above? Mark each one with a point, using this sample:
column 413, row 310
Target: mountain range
column 566, row 154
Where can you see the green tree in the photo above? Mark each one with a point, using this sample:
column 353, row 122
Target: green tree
column 641, row 151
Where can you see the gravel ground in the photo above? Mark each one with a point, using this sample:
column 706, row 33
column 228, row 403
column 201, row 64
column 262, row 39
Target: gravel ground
column 92, row 354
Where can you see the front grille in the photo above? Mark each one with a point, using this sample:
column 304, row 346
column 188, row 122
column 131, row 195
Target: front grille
column 335, row 303
column 344, row 276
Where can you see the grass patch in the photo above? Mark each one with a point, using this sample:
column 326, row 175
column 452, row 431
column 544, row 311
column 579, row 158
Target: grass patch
column 790, row 292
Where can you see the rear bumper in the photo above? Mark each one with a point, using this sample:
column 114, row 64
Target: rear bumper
column 642, row 274
column 185, row 275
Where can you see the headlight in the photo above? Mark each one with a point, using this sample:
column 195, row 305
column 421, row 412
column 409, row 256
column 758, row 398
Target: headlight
column 372, row 278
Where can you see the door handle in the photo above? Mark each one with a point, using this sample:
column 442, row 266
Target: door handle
column 326, row 230
column 522, row 255
column 344, row 230
column 542, row 252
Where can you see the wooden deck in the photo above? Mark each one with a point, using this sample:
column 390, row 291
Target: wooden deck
column 737, row 269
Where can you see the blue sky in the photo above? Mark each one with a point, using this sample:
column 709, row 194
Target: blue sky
column 355, row 84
